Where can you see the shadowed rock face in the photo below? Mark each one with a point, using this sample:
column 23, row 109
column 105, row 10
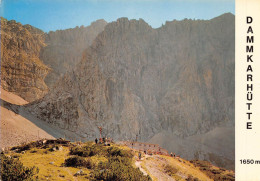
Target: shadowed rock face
column 27, row 50
column 22, row 72
column 135, row 79
column 64, row 48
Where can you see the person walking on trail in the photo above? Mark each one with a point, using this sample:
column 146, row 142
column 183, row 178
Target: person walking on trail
column 106, row 141
column 140, row 155
column 96, row 140
column 174, row 155
column 171, row 154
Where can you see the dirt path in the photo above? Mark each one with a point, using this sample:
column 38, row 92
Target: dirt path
column 153, row 168
column 138, row 164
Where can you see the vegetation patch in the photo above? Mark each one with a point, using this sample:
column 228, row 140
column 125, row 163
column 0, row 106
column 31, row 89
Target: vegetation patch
column 88, row 150
column 217, row 174
column 106, row 162
column 114, row 151
column 191, row 178
column 76, row 161
column 118, row 169
column 13, row 169
column 170, row 170
column 52, row 160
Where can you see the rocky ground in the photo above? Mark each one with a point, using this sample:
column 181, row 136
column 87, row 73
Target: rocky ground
column 19, row 126
column 161, row 167
column 16, row 129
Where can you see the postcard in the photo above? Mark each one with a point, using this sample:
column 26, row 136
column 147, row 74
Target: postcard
column 130, row 90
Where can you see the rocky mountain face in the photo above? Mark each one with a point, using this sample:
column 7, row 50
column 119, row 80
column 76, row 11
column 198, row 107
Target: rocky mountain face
column 31, row 58
column 136, row 80
column 22, row 72
column 64, row 48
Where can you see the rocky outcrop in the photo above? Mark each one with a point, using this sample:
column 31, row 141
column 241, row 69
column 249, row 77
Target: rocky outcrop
column 31, row 58
column 136, row 80
column 65, row 47
column 22, row 72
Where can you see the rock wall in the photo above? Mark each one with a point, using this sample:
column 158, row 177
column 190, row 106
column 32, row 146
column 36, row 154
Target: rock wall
column 31, row 58
column 138, row 80
column 65, row 47
column 22, row 72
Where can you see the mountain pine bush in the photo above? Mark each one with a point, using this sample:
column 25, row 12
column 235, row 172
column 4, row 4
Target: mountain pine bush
column 76, row 161
column 12, row 169
column 118, row 169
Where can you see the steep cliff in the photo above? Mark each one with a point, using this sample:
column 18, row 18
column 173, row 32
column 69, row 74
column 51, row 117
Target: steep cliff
column 31, row 58
column 136, row 80
column 22, row 72
column 64, row 48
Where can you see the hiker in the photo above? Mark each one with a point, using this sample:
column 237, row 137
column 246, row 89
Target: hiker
column 174, row 155
column 144, row 151
column 96, row 140
column 140, row 155
column 171, row 154
column 106, row 141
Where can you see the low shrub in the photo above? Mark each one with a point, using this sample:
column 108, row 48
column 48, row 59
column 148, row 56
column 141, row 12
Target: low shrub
column 114, row 151
column 90, row 164
column 33, row 151
column 118, row 169
column 191, row 178
column 211, row 172
column 54, row 147
column 26, row 146
column 120, row 160
column 13, row 169
column 220, row 177
column 16, row 155
column 170, row 170
column 88, row 150
column 201, row 163
column 96, row 149
column 102, row 165
column 76, row 161
column 216, row 171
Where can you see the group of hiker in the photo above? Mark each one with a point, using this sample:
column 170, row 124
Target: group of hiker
column 105, row 140
column 173, row 155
